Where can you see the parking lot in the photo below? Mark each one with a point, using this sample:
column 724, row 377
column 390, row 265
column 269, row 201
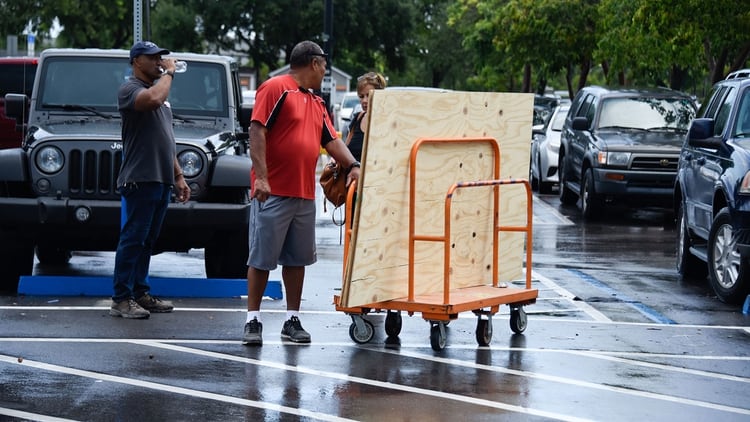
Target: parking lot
column 64, row 358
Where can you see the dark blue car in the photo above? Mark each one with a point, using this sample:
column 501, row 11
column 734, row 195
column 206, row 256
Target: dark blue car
column 712, row 193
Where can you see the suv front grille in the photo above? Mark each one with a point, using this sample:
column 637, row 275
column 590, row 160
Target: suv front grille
column 651, row 163
column 93, row 172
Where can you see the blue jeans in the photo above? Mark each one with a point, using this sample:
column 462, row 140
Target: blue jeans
column 144, row 206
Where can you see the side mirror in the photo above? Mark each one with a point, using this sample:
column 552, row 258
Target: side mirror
column 701, row 134
column 17, row 107
column 580, row 123
column 245, row 114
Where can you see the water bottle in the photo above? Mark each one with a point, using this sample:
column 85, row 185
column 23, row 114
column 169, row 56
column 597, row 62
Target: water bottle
column 180, row 66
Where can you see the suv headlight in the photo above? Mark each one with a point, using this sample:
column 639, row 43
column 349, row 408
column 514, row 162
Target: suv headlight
column 50, row 160
column 745, row 185
column 190, row 162
column 614, row 159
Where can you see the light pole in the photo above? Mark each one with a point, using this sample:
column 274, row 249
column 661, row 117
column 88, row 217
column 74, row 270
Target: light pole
column 328, row 84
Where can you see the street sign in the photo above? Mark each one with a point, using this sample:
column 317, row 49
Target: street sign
column 327, row 85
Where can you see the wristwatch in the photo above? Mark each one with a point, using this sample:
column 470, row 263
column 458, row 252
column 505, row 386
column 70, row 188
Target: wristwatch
column 170, row 73
column 355, row 164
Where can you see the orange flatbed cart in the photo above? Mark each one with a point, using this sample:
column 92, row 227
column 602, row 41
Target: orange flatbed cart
column 442, row 307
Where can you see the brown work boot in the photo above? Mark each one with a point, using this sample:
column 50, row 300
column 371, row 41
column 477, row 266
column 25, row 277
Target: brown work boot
column 155, row 305
column 128, row 308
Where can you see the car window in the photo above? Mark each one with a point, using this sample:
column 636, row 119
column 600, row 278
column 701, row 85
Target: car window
column 557, row 122
column 722, row 116
column 742, row 129
column 17, row 79
column 591, row 112
column 708, row 109
column 583, row 110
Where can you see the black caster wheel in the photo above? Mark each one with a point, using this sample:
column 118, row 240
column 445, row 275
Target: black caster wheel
column 393, row 323
column 484, row 331
column 361, row 330
column 437, row 336
column 517, row 320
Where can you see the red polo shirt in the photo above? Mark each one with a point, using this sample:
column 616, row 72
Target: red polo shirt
column 298, row 125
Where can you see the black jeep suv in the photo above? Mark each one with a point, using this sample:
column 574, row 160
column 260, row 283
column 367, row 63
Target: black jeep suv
column 58, row 190
column 712, row 193
column 622, row 146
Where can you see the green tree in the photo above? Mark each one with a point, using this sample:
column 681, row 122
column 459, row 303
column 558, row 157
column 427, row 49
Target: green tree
column 173, row 25
column 665, row 43
column 524, row 36
column 89, row 24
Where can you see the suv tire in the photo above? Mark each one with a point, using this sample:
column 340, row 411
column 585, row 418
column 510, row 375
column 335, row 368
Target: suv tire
column 52, row 255
column 689, row 266
column 533, row 180
column 567, row 196
column 728, row 272
column 590, row 204
column 16, row 260
column 226, row 255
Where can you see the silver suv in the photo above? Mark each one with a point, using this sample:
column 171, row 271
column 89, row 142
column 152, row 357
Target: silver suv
column 622, row 146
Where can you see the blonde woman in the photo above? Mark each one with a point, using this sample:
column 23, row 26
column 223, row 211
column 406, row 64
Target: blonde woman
column 358, row 125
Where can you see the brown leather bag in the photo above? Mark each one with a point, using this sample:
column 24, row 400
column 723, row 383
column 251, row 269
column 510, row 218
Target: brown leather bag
column 333, row 182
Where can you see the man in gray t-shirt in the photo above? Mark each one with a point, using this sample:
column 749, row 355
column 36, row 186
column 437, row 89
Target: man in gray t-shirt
column 148, row 174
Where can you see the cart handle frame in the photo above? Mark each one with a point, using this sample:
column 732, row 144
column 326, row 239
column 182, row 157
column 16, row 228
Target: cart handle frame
column 496, row 183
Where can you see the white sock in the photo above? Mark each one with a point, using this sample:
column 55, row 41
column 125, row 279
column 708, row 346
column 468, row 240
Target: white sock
column 290, row 314
column 253, row 314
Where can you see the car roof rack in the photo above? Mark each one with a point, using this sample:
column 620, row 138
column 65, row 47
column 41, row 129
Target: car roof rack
column 742, row 73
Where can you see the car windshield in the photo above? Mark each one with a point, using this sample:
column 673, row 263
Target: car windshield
column 646, row 113
column 350, row 101
column 93, row 82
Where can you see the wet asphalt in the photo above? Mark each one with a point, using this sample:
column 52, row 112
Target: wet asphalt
column 65, row 358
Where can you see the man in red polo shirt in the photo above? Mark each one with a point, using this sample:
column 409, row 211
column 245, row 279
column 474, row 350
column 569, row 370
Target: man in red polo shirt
column 287, row 129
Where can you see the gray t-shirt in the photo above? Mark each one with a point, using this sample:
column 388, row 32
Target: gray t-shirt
column 148, row 145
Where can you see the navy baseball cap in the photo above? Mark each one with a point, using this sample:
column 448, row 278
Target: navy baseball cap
column 146, row 47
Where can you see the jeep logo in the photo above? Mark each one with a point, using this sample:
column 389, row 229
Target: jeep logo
column 116, row 146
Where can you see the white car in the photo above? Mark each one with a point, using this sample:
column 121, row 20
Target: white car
column 248, row 96
column 344, row 110
column 545, row 145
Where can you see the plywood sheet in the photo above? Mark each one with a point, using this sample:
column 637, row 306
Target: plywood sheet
column 377, row 267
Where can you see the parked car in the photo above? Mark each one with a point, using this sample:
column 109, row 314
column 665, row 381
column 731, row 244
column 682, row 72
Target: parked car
column 544, row 105
column 344, row 110
column 712, row 193
column 621, row 146
column 545, row 145
column 248, row 97
column 16, row 76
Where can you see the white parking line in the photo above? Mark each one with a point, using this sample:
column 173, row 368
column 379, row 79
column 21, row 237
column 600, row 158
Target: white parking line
column 31, row 416
column 271, row 406
column 403, row 352
column 171, row 389
column 583, row 306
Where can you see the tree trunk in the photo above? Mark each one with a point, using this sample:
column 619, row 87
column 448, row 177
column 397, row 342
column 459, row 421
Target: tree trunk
column 584, row 75
column 526, row 78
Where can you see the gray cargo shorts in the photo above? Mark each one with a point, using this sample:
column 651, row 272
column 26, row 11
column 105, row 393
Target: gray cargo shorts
column 282, row 231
